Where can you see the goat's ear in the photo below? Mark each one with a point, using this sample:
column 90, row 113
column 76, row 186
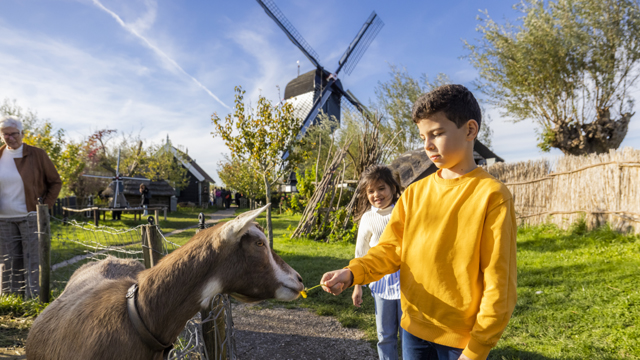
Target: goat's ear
column 235, row 228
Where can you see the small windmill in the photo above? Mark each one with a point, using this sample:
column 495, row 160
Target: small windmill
column 320, row 89
column 117, row 179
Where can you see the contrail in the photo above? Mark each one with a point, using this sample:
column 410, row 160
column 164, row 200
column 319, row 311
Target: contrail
column 156, row 50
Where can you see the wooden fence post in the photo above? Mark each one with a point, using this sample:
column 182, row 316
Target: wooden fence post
column 44, row 247
column 151, row 245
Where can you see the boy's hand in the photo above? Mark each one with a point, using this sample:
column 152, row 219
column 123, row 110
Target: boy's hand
column 464, row 357
column 336, row 281
column 357, row 295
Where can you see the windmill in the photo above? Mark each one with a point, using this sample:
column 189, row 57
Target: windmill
column 117, row 179
column 320, row 89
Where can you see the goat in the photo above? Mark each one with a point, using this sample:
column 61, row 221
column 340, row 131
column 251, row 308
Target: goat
column 89, row 320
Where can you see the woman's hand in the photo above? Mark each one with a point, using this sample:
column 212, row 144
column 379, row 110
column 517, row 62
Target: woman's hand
column 357, row 295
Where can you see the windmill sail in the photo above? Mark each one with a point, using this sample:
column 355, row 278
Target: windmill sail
column 360, row 43
column 274, row 12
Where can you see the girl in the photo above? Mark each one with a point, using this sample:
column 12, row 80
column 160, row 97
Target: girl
column 378, row 192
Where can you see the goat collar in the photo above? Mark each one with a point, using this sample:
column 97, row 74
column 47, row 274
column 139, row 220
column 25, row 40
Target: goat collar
column 147, row 337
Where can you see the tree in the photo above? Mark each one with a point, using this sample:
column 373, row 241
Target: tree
column 260, row 138
column 395, row 99
column 568, row 66
column 239, row 176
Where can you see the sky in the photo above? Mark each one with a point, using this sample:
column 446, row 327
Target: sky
column 158, row 68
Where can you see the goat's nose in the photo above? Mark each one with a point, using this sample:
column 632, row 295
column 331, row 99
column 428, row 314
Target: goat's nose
column 299, row 278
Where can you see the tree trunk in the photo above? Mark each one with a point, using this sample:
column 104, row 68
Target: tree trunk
column 267, row 189
column 596, row 137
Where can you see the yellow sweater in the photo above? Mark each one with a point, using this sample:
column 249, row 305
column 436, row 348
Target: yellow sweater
column 454, row 242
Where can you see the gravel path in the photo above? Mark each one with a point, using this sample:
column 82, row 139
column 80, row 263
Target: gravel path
column 279, row 333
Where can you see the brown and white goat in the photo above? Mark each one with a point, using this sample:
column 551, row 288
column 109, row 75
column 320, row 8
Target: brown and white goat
column 90, row 321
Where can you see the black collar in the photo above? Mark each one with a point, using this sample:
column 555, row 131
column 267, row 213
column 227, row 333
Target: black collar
column 147, row 337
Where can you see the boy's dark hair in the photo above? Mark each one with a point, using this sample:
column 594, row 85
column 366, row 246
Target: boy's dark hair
column 456, row 102
column 371, row 175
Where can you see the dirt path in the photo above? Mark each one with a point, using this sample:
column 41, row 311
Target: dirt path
column 13, row 335
column 279, row 333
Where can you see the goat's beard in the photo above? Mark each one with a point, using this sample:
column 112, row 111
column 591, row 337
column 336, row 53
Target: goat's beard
column 245, row 298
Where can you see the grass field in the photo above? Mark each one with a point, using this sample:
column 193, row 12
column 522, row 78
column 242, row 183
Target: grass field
column 578, row 294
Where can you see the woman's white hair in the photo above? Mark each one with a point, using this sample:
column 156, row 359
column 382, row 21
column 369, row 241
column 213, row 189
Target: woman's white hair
column 10, row 121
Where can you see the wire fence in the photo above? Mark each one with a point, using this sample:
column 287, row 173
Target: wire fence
column 208, row 335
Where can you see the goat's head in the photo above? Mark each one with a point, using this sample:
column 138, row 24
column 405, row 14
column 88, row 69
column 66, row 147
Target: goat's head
column 253, row 271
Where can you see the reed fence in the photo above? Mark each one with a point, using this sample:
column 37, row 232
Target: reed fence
column 604, row 188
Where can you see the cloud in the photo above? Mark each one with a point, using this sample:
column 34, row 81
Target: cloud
column 81, row 91
column 134, row 30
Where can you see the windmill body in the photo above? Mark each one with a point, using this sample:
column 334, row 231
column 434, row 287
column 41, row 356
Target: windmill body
column 321, row 90
column 305, row 90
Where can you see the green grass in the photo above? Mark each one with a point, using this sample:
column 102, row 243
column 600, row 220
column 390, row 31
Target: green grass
column 578, row 294
column 63, row 249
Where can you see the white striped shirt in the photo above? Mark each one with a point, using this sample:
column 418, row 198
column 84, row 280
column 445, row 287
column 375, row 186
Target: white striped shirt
column 372, row 225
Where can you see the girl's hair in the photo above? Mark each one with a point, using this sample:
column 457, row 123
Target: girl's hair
column 143, row 186
column 370, row 176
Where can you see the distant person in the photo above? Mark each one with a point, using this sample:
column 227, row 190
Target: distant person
column 238, row 196
column 218, row 197
column 378, row 192
column 145, row 196
column 452, row 235
column 26, row 174
column 227, row 199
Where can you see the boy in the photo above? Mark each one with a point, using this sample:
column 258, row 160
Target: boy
column 452, row 235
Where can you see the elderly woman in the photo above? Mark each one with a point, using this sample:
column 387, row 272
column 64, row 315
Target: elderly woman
column 26, row 174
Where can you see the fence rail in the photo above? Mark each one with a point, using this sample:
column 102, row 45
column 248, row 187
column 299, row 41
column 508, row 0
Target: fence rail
column 603, row 188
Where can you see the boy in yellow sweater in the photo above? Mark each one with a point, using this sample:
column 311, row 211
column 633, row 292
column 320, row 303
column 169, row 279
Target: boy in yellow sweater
column 452, row 235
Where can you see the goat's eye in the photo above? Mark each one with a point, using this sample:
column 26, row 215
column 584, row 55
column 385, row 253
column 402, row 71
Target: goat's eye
column 260, row 243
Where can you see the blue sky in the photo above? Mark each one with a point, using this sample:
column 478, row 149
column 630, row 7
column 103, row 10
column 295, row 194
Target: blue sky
column 163, row 67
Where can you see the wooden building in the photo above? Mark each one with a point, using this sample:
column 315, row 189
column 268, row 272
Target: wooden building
column 161, row 192
column 415, row 164
column 197, row 190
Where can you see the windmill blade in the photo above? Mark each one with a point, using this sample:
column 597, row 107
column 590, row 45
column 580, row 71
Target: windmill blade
column 133, row 178
column 357, row 104
column 115, row 198
column 118, row 164
column 360, row 43
column 99, row 176
column 274, row 12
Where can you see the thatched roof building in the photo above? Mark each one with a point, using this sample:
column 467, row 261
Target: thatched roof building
column 415, row 164
column 160, row 191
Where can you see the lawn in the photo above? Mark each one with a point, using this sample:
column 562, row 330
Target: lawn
column 578, row 294
column 578, row 291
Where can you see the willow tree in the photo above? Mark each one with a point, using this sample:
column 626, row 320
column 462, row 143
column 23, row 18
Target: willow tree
column 259, row 138
column 568, row 65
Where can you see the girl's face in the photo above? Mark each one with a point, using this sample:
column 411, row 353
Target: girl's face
column 379, row 194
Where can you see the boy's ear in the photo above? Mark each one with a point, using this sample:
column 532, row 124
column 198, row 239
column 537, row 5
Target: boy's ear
column 472, row 129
